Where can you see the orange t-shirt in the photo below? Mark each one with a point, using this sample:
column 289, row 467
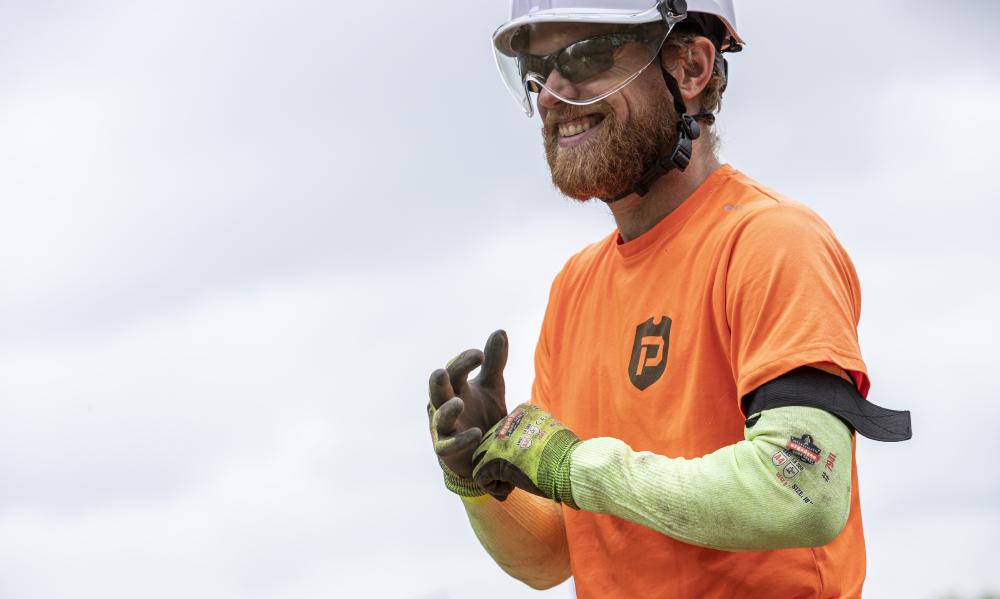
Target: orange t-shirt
column 655, row 341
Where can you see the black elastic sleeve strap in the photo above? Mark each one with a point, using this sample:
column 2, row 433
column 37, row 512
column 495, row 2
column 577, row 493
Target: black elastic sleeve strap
column 814, row 388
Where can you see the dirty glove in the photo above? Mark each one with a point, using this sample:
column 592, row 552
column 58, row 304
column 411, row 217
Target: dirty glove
column 528, row 449
column 460, row 410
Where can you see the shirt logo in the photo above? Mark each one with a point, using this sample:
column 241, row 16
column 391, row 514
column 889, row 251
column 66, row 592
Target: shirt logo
column 649, row 352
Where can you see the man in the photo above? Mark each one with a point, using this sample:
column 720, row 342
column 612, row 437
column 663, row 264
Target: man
column 698, row 379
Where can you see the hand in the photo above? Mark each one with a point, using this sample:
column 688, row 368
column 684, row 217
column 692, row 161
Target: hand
column 460, row 410
column 528, row 449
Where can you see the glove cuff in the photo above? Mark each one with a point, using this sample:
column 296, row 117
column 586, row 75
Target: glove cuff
column 464, row 487
column 554, row 467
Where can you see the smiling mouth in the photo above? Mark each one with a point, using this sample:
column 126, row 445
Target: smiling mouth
column 579, row 126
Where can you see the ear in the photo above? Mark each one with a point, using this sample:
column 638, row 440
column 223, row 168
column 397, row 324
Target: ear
column 692, row 68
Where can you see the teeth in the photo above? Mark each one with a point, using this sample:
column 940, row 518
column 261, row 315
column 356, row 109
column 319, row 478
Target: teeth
column 576, row 127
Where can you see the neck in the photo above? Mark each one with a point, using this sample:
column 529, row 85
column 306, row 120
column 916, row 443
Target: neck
column 635, row 215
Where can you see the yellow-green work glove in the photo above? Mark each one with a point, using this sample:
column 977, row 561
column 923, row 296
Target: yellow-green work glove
column 530, row 450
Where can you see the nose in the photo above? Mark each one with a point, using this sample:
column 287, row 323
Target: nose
column 558, row 84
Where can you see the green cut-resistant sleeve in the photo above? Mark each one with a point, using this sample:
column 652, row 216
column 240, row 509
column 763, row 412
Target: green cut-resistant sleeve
column 524, row 535
column 788, row 484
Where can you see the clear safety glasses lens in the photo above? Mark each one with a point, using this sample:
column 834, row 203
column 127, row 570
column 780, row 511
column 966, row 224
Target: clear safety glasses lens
column 575, row 62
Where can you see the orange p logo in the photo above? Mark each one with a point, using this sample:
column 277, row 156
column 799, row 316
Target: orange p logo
column 645, row 360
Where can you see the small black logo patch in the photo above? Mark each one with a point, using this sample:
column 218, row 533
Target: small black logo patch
column 804, row 448
column 649, row 352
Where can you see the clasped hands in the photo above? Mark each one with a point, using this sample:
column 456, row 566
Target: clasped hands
column 528, row 448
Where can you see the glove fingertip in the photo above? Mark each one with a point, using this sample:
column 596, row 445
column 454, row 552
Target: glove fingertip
column 495, row 359
column 439, row 387
column 497, row 341
column 445, row 417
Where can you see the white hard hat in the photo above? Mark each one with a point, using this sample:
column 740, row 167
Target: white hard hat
column 660, row 15
column 626, row 12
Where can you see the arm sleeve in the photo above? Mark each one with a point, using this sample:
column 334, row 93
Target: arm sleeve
column 524, row 535
column 792, row 298
column 787, row 484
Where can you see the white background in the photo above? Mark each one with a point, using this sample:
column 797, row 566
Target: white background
column 236, row 237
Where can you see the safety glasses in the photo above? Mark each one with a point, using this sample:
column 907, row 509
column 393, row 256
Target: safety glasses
column 578, row 60
column 586, row 58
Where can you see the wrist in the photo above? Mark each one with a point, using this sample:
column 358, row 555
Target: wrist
column 554, row 467
column 463, row 487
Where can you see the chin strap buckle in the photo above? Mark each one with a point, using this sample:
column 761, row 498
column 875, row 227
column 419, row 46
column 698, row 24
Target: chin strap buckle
column 689, row 126
column 680, row 158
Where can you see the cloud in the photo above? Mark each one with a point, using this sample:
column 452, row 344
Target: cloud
column 269, row 442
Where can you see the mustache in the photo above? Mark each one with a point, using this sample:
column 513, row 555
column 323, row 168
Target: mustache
column 568, row 112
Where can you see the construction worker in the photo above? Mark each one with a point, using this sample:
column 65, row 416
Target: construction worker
column 698, row 379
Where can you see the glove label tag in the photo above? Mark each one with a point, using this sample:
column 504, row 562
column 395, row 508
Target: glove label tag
column 804, row 448
column 510, row 424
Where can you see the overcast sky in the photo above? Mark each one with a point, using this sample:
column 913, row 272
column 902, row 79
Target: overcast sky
column 236, row 237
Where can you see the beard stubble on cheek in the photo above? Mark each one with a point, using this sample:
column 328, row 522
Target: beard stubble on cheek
column 615, row 157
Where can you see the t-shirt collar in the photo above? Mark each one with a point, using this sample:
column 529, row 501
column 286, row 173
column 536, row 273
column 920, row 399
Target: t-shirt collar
column 673, row 222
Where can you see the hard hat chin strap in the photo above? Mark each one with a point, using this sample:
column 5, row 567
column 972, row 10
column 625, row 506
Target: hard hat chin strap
column 688, row 128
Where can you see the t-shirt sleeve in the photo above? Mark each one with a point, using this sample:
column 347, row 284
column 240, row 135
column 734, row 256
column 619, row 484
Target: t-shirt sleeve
column 792, row 298
column 541, row 388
